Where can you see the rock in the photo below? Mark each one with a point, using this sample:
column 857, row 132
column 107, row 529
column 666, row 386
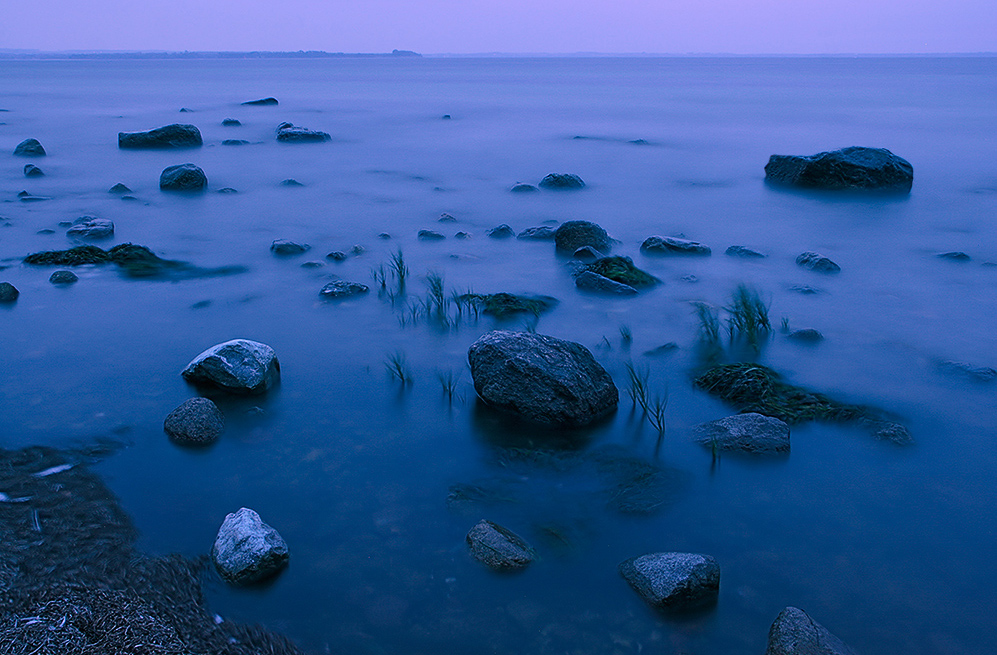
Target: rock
column 239, row 366
column 235, row 142
column 247, row 550
column 805, row 289
column 291, row 182
column 63, row 277
column 813, row 261
column 745, row 252
column 24, row 196
column 30, row 170
column 288, row 133
column 336, row 256
column 674, row 581
column 430, row 235
column 664, row 349
column 849, row 168
column 501, row 232
column 572, row 235
column 90, row 227
column 622, row 270
column 587, row 254
column 183, row 177
column 313, row 264
column 498, row 547
column 176, row 135
column 77, row 256
column 446, row 218
column 231, row 122
column 446, row 117
column 357, row 249
column 8, row 292
column 975, row 373
column 561, row 181
column 342, row 289
column 794, row 633
column 954, row 256
column 119, row 188
column 29, row 148
column 806, row 335
column 750, row 433
column 503, row 305
column 196, row 422
column 541, row 378
column 186, row 110
column 590, row 281
column 893, row 432
column 286, row 248
column 462, row 235
column 673, row 246
column 226, row 190
column 519, row 187
column 539, row 233
column 262, row 102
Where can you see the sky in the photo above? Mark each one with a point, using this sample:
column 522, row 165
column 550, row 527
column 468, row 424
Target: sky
column 511, row 26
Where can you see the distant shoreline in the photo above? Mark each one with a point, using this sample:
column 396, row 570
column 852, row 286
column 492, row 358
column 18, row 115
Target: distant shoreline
column 300, row 54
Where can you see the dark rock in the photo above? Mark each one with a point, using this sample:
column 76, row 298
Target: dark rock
column 498, row 547
column 806, row 335
column 446, row 218
column 262, row 102
column 572, row 235
column 520, row 187
column 226, row 190
column 430, row 235
column 673, row 246
column 286, row 248
column 501, row 232
column 196, row 422
column 794, row 633
column 186, row 110
column 540, row 233
column 975, row 373
column 954, row 256
column 541, row 378
column 129, row 198
column 342, row 289
column 119, row 188
column 247, row 550
column 462, row 235
column 806, row 289
column 24, row 196
column 63, row 277
column 336, row 256
column 291, row 182
column 813, row 261
column 77, row 256
column 674, row 581
column 587, row 254
column 46, row 231
column 623, row 271
column 235, row 142
column 446, row 117
column 90, row 227
column 231, row 122
column 170, row 136
column 895, row 433
column 183, row 177
column 30, row 170
column 590, row 281
column 561, row 181
column 288, row 133
column 29, row 148
column 357, row 249
column 665, row 349
column 239, row 366
column 502, row 305
column 849, row 168
column 745, row 252
column 8, row 292
column 313, row 264
column 749, row 433
column 384, row 235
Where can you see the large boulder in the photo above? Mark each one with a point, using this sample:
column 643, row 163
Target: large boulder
column 794, row 633
column 674, row 581
column 29, row 148
column 183, row 177
column 498, row 547
column 196, row 422
column 247, row 550
column 572, row 235
column 750, row 433
column 90, row 227
column 541, row 378
column 848, row 168
column 239, row 366
column 177, row 135
column 288, row 133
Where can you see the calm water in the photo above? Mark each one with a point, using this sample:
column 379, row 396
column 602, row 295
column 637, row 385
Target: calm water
column 890, row 548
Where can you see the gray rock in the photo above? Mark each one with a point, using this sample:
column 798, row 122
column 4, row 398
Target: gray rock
column 430, row 235
column 183, row 177
column 750, row 433
column 288, row 133
column 342, row 289
column 170, row 136
column 357, row 249
column 239, row 366
column 262, row 102
column 247, row 550
column 794, row 633
column 674, row 581
column 587, row 254
column 462, row 235
column 231, row 122
column 196, row 422
column 541, row 378
column 745, row 252
column 955, row 255
column 90, row 227
column 975, row 373
column 313, row 264
column 520, row 187
column 291, row 182
column 539, row 233
column 501, row 232
column 446, row 218
column 63, row 277
column 806, row 335
column 590, row 281
column 561, row 181
column 235, row 142
column 813, row 261
column 572, row 235
column 337, row 256
column 895, row 433
column 119, row 188
column 849, row 168
column 30, row 170
column 8, row 292
column 498, row 547
column 29, row 148
column 673, row 246
column 287, row 248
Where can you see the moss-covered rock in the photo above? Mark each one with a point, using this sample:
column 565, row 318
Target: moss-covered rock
column 503, row 304
column 622, row 270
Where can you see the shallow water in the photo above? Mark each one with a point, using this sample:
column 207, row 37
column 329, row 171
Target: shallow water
column 888, row 547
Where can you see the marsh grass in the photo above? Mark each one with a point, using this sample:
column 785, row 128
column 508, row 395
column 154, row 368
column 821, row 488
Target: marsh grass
column 398, row 268
column 637, row 385
column 448, row 381
column 398, row 368
column 747, row 317
column 626, row 336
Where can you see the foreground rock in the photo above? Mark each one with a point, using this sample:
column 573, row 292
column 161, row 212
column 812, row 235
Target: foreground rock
column 177, row 135
column 541, row 378
column 590, row 281
column 849, row 168
column 8, row 292
column 342, row 289
column 183, row 177
column 561, row 181
column 90, row 227
column 674, row 581
column 239, row 366
column 794, row 633
column 196, row 422
column 247, row 550
column 288, row 133
column 673, row 246
column 749, row 433
column 29, row 148
column 572, row 235
column 813, row 261
column 498, row 547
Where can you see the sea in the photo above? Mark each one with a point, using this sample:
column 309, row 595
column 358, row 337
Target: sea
column 374, row 456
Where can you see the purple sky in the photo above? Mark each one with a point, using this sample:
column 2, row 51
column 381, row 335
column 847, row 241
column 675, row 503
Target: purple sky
column 469, row 26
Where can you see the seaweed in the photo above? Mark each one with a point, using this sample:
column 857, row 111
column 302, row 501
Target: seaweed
column 78, row 256
column 622, row 270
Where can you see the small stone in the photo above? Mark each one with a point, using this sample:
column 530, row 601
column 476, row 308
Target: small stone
column 430, row 235
column 170, row 136
column 384, row 235
column 539, row 233
column 262, row 102
column 587, row 254
column 183, row 177
column 30, row 170
column 223, row 190
column 8, row 292
column 336, row 256
column 749, row 433
column 955, row 256
column 357, row 249
column 291, row 182
column 286, row 248
column 674, row 581
column 247, row 550
column 745, row 252
column 806, row 335
column 313, row 264
column 673, row 246
column 519, row 187
column 446, row 117
column 813, row 261
column 342, row 289
column 63, row 277
column 239, row 366
column 561, row 181
column 196, row 422
column 231, row 122
column 446, row 218
column 498, row 547
column 235, row 142
column 29, row 148
column 119, row 188
column 572, row 235
column 501, row 232
column 288, row 133
column 462, row 235
column 90, row 227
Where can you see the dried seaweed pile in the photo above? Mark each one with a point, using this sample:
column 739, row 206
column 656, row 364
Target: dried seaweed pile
column 71, row 581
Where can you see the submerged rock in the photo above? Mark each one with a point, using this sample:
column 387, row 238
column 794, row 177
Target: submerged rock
column 287, row 248
column 183, row 177
column 247, row 550
column 975, row 373
column 502, row 305
column 430, row 235
column 29, row 148
column 673, row 246
column 794, row 633
column 30, row 170
column 262, row 102
column 813, row 261
column 337, row 256
column 587, row 254
column 806, row 335
column 342, row 289
column 63, row 277
column 177, row 135
column 498, row 547
column 501, row 232
column 8, row 292
column 848, row 168
column 235, row 142
column 90, row 227
column 239, row 366
column 749, row 433
column 674, row 581
column 591, row 281
column 561, row 181
column 446, row 218
column 539, row 233
column 196, row 422
column 288, row 133
column 543, row 379
column 622, row 270
column 520, row 187
column 119, row 188
column 231, row 122
column 744, row 252
column 954, row 256
column 291, row 182
column 572, row 235
column 78, row 256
